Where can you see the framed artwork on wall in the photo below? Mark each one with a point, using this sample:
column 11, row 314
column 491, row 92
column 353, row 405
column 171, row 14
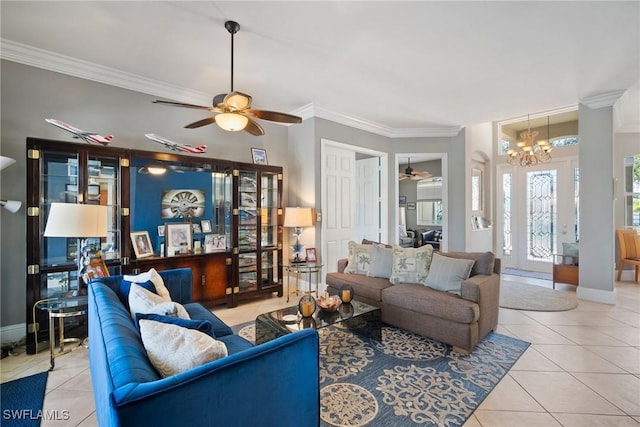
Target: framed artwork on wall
column 403, row 200
column 411, row 206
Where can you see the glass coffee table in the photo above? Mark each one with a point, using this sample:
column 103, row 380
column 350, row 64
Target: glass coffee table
column 357, row 316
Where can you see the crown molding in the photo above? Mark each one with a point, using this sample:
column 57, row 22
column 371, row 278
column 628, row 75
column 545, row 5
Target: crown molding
column 602, row 100
column 40, row 58
column 312, row 110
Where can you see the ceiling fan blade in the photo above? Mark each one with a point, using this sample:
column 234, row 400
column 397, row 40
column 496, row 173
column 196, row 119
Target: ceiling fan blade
column 402, row 177
column 273, row 116
column 254, row 128
column 180, row 104
column 423, row 174
column 200, row 123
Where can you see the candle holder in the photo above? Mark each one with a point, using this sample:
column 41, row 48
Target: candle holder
column 346, row 294
column 307, row 306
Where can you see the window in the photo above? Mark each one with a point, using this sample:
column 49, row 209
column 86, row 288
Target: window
column 632, row 191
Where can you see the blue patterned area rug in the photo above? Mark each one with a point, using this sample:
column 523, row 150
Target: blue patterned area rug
column 405, row 380
column 22, row 400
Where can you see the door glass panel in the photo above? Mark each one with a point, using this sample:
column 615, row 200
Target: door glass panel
column 541, row 214
column 269, row 210
column 248, row 277
column 507, row 230
column 102, row 189
column 269, row 269
column 248, row 210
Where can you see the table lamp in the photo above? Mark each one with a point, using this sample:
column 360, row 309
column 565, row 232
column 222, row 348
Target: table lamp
column 297, row 218
column 79, row 221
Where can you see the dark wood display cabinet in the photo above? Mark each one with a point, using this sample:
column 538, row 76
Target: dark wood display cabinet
column 222, row 219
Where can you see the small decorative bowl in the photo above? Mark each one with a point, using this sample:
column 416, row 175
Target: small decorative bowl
column 330, row 303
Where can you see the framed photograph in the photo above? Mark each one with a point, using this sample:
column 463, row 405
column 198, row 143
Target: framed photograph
column 141, row 244
column 403, row 200
column 259, row 156
column 161, row 230
column 311, row 255
column 411, row 206
column 195, row 227
column 178, row 238
column 96, row 268
column 215, row 243
column 205, row 225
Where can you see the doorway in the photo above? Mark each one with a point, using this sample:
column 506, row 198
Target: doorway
column 353, row 198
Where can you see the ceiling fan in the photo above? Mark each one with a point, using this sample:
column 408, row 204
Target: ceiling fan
column 232, row 111
column 409, row 173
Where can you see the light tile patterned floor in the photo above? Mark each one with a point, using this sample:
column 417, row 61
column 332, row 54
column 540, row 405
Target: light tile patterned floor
column 582, row 368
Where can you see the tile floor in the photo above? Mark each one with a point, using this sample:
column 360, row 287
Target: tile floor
column 582, row 368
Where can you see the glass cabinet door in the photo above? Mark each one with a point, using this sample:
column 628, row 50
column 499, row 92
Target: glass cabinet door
column 269, row 210
column 103, row 189
column 248, row 210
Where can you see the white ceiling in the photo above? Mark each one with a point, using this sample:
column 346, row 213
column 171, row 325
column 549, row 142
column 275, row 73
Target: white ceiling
column 398, row 65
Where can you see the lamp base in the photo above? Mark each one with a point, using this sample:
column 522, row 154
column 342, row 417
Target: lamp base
column 297, row 260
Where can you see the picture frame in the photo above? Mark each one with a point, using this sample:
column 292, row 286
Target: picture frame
column 205, row 225
column 178, row 236
column 161, row 230
column 215, row 243
column 259, row 156
column 141, row 244
column 411, row 206
column 311, row 255
column 402, row 200
column 195, row 227
column 96, row 268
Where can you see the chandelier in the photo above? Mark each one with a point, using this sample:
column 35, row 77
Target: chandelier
column 528, row 152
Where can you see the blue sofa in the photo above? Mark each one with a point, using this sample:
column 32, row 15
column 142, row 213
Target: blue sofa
column 276, row 383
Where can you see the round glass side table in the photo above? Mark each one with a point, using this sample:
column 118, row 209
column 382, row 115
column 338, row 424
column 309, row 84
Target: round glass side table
column 60, row 308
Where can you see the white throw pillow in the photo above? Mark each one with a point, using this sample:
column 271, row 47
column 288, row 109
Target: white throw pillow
column 173, row 349
column 359, row 259
column 447, row 274
column 145, row 302
column 411, row 265
column 381, row 261
column 152, row 276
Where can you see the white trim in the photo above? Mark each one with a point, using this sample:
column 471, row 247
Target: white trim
column 602, row 100
column 13, row 333
column 596, row 295
column 40, row 58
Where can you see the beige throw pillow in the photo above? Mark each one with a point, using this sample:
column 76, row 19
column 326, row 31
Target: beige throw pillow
column 145, row 302
column 447, row 274
column 411, row 265
column 359, row 259
column 173, row 349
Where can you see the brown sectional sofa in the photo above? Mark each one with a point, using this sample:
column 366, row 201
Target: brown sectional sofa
column 459, row 320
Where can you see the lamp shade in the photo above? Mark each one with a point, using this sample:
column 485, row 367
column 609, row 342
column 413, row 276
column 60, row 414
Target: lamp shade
column 6, row 161
column 298, row 217
column 76, row 220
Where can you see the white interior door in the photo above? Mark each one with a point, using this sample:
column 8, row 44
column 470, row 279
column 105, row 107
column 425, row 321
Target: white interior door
column 338, row 201
column 368, row 200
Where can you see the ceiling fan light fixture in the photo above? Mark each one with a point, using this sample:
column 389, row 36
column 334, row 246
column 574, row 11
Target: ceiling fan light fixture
column 237, row 101
column 232, row 122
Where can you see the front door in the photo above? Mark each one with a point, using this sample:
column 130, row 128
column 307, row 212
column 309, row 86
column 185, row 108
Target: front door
column 538, row 212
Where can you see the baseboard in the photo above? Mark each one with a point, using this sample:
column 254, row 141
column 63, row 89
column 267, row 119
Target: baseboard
column 596, row 295
column 627, row 275
column 12, row 333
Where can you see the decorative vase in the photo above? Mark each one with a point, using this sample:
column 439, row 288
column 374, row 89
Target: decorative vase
column 307, row 306
column 346, row 294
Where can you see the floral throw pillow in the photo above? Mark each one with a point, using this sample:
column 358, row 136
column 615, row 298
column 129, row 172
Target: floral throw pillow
column 411, row 265
column 359, row 259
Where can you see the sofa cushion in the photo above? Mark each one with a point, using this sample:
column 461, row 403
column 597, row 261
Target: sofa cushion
column 371, row 242
column 422, row 299
column 381, row 262
column 203, row 326
column 359, row 259
column 144, row 301
column 364, row 286
column 198, row 311
column 173, row 349
column 411, row 265
column 447, row 274
column 235, row 343
column 485, row 261
column 150, row 276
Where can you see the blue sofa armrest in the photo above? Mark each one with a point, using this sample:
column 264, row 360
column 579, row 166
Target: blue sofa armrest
column 276, row 383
